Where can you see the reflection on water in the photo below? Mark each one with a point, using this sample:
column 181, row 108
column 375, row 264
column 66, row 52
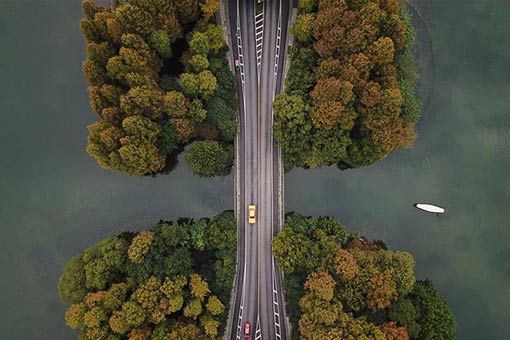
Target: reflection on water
column 460, row 160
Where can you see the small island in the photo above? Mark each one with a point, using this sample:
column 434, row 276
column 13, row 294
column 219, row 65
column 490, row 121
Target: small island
column 349, row 94
column 342, row 286
column 172, row 282
column 159, row 80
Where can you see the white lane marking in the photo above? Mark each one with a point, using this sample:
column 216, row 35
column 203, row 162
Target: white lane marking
column 259, row 33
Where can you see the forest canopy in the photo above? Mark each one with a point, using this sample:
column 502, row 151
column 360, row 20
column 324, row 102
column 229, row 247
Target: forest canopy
column 342, row 286
column 349, row 94
column 158, row 80
column 172, row 282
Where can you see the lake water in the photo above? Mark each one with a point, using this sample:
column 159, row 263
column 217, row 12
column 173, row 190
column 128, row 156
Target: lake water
column 56, row 201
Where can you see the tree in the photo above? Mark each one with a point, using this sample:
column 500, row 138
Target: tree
column 90, row 8
column 160, row 42
column 140, row 246
column 167, row 138
column 103, row 262
column 214, row 306
column 207, row 84
column 193, row 309
column 184, row 128
column 404, row 313
column 190, row 84
column 143, row 101
column 132, row 73
column 436, row 319
column 72, row 284
column 293, row 251
column 197, row 112
column 199, row 43
column 142, row 298
column 100, row 53
column 209, row 158
column 322, row 285
column 199, row 287
column 382, row 291
column 134, row 19
column 303, row 27
column 208, row 8
column 393, row 332
column 139, row 159
column 353, row 87
column 345, row 265
column 75, row 315
column 94, row 73
column 187, row 10
column 292, row 129
column 199, row 63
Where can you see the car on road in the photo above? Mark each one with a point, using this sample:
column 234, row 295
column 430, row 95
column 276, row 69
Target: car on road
column 252, row 214
column 237, row 64
column 247, row 328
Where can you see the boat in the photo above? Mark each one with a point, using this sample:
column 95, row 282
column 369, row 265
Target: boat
column 431, row 208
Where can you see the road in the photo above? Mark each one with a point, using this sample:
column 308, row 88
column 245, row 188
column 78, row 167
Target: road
column 256, row 35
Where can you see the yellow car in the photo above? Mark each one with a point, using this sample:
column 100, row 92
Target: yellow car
column 252, row 214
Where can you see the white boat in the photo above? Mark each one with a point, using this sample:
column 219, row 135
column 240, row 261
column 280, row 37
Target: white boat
column 431, row 208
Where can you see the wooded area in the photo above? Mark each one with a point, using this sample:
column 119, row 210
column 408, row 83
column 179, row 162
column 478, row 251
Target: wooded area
column 342, row 286
column 159, row 80
column 349, row 95
column 172, row 282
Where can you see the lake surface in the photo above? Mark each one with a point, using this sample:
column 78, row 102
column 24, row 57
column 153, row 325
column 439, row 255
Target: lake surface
column 56, row 201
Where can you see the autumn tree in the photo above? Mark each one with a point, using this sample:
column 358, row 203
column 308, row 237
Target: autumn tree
column 123, row 287
column 139, row 65
column 352, row 64
column 340, row 286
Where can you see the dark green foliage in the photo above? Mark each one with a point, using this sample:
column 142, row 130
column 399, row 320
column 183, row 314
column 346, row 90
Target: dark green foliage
column 167, row 139
column 436, row 319
column 119, row 292
column 72, row 283
column 209, row 158
column 405, row 314
column 142, row 53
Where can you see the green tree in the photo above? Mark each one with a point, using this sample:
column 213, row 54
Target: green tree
column 214, row 306
column 103, row 262
column 140, row 246
column 160, row 42
column 72, row 284
column 199, row 43
column 177, row 104
column 436, row 319
column 303, row 27
column 293, row 251
column 199, row 63
column 196, row 111
column 209, row 158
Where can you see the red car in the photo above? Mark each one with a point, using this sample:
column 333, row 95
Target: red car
column 247, row 330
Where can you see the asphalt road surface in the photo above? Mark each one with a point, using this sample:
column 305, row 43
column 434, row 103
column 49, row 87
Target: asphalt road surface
column 258, row 36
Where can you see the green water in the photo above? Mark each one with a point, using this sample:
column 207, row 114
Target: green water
column 461, row 160
column 56, row 201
